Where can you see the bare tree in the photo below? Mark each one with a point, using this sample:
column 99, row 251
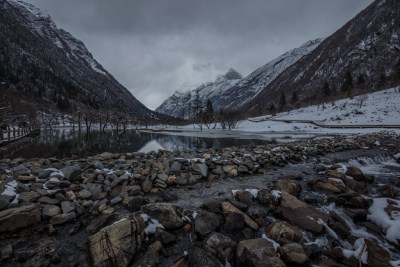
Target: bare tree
column 361, row 100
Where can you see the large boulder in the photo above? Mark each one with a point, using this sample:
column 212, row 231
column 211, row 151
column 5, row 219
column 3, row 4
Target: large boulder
column 206, row 222
column 283, row 232
column 199, row 258
column 21, row 217
column 229, row 208
column 293, row 254
column 257, row 252
column 301, row 214
column 220, row 246
column 165, row 213
column 356, row 173
column 117, row 244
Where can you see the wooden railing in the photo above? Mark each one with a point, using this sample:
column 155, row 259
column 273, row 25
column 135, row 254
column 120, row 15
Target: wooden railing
column 15, row 133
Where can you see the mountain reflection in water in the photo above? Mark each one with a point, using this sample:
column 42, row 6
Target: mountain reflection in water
column 62, row 143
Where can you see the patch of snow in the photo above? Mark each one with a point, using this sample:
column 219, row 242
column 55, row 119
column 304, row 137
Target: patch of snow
column 274, row 243
column 276, row 194
column 254, row 192
column 359, row 253
column 390, row 223
column 9, row 189
column 194, row 214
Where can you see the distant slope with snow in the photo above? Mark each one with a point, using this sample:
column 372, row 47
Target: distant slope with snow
column 376, row 109
column 231, row 91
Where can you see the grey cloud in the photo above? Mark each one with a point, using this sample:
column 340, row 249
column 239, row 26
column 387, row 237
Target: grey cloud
column 155, row 47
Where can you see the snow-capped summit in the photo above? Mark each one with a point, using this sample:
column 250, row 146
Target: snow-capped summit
column 178, row 104
column 232, row 91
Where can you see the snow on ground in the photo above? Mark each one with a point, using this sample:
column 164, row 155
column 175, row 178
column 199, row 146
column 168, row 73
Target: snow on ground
column 376, row 109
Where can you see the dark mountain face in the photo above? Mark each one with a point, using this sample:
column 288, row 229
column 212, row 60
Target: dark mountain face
column 364, row 53
column 48, row 65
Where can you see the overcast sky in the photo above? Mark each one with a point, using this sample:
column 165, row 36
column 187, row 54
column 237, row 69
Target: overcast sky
column 155, row 47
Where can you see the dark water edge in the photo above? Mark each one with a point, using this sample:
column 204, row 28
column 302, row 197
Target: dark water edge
column 66, row 142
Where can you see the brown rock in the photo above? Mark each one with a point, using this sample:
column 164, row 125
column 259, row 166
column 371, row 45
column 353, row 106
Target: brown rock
column 356, row 173
column 21, row 217
column 283, row 232
column 117, row 243
column 257, row 252
column 301, row 214
column 288, row 186
column 229, row 208
column 293, row 254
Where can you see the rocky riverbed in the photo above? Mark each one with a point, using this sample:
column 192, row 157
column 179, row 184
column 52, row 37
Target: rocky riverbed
column 327, row 202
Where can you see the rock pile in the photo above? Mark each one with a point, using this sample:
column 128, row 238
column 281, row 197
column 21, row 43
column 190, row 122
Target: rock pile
column 113, row 210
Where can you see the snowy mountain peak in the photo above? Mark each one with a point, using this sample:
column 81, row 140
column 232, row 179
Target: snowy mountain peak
column 232, row 74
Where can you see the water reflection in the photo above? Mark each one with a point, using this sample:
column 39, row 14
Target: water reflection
column 62, row 143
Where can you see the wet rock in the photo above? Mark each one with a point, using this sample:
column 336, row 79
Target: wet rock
column 147, row 185
column 165, row 237
column 28, row 196
column 21, row 217
column 301, row 214
column 84, row 194
column 229, row 208
column 257, row 252
column 165, row 213
column 137, row 202
column 240, row 205
column 357, row 215
column 264, row 196
column 97, row 223
column 4, row 203
column 245, row 197
column 356, row 173
column 199, row 258
column 63, row 218
column 387, row 191
column 206, row 222
column 167, row 196
column 356, row 186
column 293, row 254
column 70, row 172
column 22, row 187
column 324, row 186
column 230, row 170
column 48, row 200
column 234, row 222
column 201, row 168
column 67, row 206
column 151, row 258
column 377, row 256
column 283, row 232
column 6, row 252
column 50, row 211
column 288, row 186
column 221, row 246
column 117, row 243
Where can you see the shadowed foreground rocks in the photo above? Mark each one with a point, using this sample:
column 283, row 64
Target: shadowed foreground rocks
column 120, row 209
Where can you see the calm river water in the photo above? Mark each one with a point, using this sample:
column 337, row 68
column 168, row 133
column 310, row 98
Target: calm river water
column 67, row 142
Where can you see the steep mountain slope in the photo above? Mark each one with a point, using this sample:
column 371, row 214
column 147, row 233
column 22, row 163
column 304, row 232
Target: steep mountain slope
column 244, row 91
column 50, row 66
column 234, row 92
column 364, row 53
column 178, row 104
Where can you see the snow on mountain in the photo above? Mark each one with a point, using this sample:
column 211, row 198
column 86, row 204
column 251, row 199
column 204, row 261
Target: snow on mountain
column 250, row 86
column 376, row 109
column 49, row 65
column 367, row 48
column 178, row 104
column 231, row 91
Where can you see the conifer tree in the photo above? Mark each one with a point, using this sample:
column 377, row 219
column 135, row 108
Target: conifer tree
column 282, row 101
column 294, row 98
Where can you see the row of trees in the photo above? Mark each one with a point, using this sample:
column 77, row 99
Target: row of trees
column 205, row 115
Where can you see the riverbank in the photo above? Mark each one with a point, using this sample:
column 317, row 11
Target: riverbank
column 306, row 203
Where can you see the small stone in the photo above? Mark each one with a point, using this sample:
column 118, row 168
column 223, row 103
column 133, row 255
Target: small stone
column 67, row 206
column 264, row 196
column 28, row 196
column 147, row 185
column 245, row 197
column 55, row 258
column 50, row 210
column 356, row 173
column 63, row 218
column 48, row 200
column 84, row 194
column 234, row 222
